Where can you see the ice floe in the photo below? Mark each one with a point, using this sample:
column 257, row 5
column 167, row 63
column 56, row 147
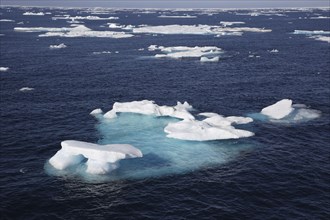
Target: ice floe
column 284, row 111
column 320, row 17
column 60, row 46
column 318, row 32
column 231, row 23
column 321, row 38
column 214, row 127
column 4, row 69
column 177, row 16
column 76, row 31
column 274, row 51
column 146, row 107
column 25, row 89
column 102, row 52
column 96, row 111
column 194, row 29
column 34, row 13
column 6, row 20
column 178, row 52
column 278, row 110
column 89, row 17
column 101, row 159
column 205, row 59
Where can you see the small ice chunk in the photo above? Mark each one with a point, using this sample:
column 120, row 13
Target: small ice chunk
column 4, row 69
column 6, row 20
column 274, row 51
column 278, row 110
column 60, row 46
column 25, row 89
column 178, row 52
column 205, row 59
column 34, row 13
column 101, row 158
column 96, row 111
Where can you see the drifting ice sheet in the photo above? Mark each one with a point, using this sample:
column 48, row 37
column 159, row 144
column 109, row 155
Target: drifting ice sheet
column 101, row 158
column 147, row 107
column 278, row 110
column 179, row 52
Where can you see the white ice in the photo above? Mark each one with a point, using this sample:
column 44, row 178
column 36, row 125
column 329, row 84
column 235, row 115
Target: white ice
column 4, row 69
column 6, row 20
column 34, row 13
column 321, row 38
column 89, row 17
column 214, row 127
column 318, row 32
column 194, row 29
column 177, row 16
column 102, row 52
column 96, row 111
column 102, row 159
column 41, row 29
column 178, row 52
column 25, row 89
column 231, row 23
column 60, row 46
column 205, row 59
column 146, row 107
column 278, row 110
column 274, row 51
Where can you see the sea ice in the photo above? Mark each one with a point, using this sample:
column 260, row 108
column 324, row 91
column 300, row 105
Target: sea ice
column 274, row 51
column 34, row 13
column 177, row 16
column 231, row 23
column 278, row 110
column 24, row 89
column 102, row 159
column 318, row 32
column 89, row 17
column 147, row 107
column 214, row 127
column 194, row 29
column 321, row 38
column 4, row 69
column 178, row 52
column 96, row 111
column 6, row 20
column 60, row 46
column 205, row 59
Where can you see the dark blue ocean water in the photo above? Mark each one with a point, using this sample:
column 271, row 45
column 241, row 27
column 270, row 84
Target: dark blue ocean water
column 284, row 175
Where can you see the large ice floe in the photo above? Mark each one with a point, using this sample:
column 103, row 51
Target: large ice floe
column 284, row 111
column 195, row 29
column 101, row 159
column 76, row 31
column 179, row 52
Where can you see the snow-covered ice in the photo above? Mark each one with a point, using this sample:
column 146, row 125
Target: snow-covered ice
column 102, row 159
column 278, row 110
column 214, row 127
column 96, row 111
column 76, row 31
column 146, row 107
column 206, row 60
column 34, row 13
column 4, row 69
column 25, row 89
column 59, row 46
column 179, row 52
column 89, row 17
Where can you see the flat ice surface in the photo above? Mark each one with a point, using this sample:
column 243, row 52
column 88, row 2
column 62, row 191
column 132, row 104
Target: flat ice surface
column 146, row 107
column 59, row 46
column 77, row 31
column 205, row 59
column 34, row 13
column 89, row 17
column 287, row 113
column 194, row 29
column 278, row 110
column 74, row 152
column 214, row 127
column 179, row 52
column 4, row 69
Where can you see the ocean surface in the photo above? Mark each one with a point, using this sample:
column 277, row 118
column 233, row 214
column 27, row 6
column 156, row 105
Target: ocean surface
column 282, row 172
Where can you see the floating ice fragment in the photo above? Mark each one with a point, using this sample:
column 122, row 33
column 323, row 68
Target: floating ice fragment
column 25, row 89
column 96, row 111
column 179, row 52
column 214, row 127
column 147, row 107
column 274, row 51
column 89, row 17
column 321, row 38
column 6, row 20
column 278, row 110
column 230, row 23
column 102, row 52
column 4, row 69
column 102, row 159
column 177, row 16
column 60, row 46
column 34, row 13
column 205, row 59
column 318, row 32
